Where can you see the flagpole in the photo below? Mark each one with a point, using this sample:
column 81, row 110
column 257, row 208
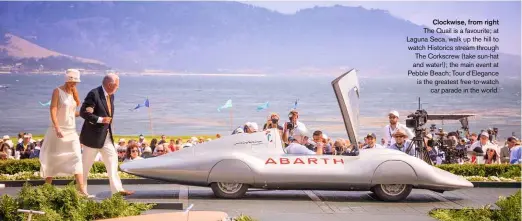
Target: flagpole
column 150, row 120
column 231, row 121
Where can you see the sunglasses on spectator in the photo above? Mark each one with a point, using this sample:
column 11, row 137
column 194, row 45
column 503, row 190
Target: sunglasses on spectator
column 160, row 151
column 134, row 151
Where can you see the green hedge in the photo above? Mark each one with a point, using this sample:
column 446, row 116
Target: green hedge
column 65, row 204
column 500, row 170
column 509, row 210
column 33, row 165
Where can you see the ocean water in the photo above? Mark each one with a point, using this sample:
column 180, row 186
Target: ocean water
column 187, row 105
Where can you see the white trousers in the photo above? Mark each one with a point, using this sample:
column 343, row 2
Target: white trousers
column 110, row 159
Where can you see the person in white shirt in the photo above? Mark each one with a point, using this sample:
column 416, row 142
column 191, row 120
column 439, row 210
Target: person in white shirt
column 296, row 143
column 371, row 142
column 393, row 127
column 8, row 141
column 290, row 128
column 121, row 144
column 479, row 148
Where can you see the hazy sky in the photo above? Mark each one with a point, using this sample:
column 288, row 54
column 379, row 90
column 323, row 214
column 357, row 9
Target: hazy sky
column 423, row 13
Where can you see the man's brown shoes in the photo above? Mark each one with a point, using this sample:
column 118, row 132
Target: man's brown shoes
column 126, row 192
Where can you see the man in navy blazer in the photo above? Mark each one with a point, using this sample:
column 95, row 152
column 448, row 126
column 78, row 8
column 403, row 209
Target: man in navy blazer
column 97, row 135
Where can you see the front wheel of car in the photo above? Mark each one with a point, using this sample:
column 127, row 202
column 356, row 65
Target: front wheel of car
column 392, row 192
column 229, row 190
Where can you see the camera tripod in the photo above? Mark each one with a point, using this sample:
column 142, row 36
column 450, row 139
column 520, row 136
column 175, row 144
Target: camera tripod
column 420, row 148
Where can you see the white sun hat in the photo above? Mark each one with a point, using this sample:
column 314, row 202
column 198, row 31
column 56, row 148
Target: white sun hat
column 72, row 75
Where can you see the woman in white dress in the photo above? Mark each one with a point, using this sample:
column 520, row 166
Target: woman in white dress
column 60, row 154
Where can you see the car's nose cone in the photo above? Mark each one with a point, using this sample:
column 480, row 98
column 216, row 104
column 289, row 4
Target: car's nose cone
column 452, row 180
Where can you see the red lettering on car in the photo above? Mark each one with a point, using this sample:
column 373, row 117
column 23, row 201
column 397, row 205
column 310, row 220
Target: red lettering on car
column 298, row 161
column 310, row 160
column 284, row 161
column 338, row 160
column 325, row 160
column 270, row 161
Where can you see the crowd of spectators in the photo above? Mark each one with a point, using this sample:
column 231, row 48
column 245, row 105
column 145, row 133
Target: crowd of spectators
column 480, row 148
column 26, row 147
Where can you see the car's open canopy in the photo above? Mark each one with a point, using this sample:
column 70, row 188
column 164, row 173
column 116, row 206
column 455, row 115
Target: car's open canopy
column 346, row 88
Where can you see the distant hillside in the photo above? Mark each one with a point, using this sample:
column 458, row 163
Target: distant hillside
column 17, row 54
column 213, row 36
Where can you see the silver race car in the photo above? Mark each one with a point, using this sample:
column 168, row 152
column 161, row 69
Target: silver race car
column 233, row 164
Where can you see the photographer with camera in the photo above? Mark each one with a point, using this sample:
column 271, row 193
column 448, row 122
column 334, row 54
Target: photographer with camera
column 393, row 127
column 273, row 122
column 290, row 127
column 431, row 148
column 339, row 146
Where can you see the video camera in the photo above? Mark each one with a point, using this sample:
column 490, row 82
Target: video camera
column 417, row 119
column 452, row 153
column 290, row 125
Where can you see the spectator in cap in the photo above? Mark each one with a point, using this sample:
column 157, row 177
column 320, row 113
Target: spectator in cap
column 393, row 127
column 8, row 140
column 121, row 144
column 147, row 153
column 505, row 152
column 296, row 143
column 24, row 149
column 251, row 127
column 480, row 147
column 402, row 143
column 371, row 142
